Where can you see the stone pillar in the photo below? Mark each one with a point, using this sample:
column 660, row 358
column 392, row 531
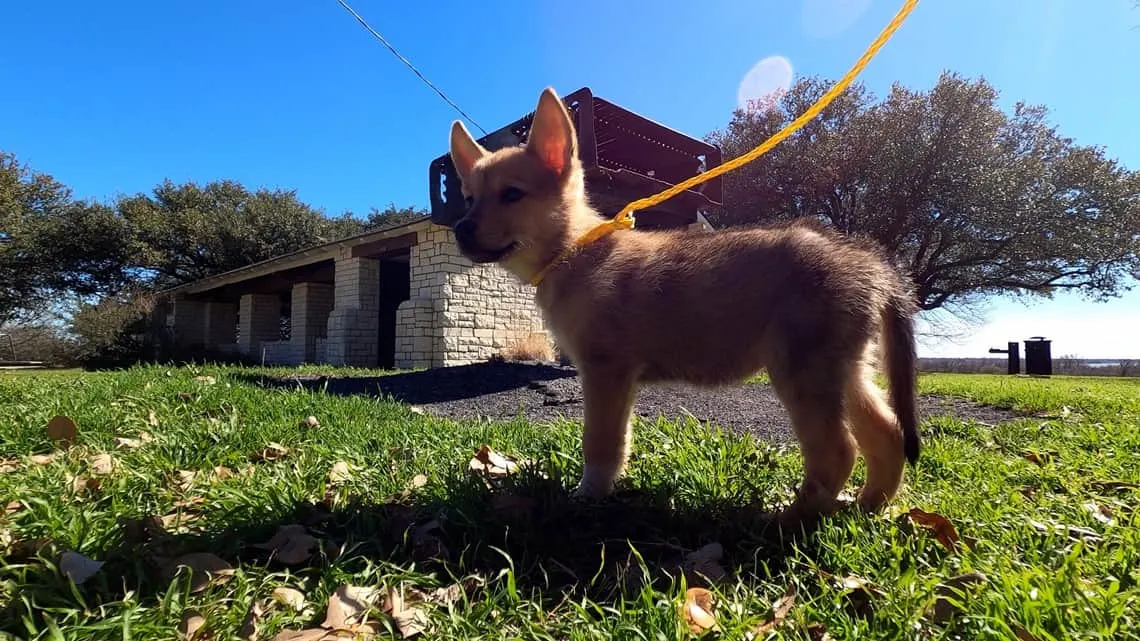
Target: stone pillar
column 221, row 325
column 354, row 323
column 260, row 318
column 312, row 303
column 189, row 322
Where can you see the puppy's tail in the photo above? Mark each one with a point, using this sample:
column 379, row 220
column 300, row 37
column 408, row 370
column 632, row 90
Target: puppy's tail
column 900, row 358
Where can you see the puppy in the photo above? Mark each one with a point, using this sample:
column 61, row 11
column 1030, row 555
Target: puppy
column 705, row 308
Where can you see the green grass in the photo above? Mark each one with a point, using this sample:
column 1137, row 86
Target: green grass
column 553, row 569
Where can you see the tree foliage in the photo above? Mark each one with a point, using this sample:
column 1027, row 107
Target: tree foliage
column 972, row 200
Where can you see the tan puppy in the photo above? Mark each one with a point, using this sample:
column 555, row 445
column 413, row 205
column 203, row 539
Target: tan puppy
column 707, row 308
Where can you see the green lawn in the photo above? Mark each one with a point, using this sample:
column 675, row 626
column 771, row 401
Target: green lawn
column 1044, row 509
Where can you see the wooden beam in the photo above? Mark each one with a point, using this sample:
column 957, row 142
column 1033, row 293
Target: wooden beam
column 384, row 246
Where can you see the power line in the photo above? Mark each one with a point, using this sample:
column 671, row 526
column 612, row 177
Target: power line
column 385, row 42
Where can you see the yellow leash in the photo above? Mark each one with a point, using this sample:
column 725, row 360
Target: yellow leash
column 624, row 219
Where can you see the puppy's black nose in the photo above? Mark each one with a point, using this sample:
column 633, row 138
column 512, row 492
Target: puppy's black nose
column 465, row 230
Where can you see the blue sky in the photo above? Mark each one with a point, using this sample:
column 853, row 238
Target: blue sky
column 112, row 98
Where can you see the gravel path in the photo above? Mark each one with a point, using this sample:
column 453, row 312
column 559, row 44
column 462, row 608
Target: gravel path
column 542, row 392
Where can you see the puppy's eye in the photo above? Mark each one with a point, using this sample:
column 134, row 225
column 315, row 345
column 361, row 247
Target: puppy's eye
column 511, row 195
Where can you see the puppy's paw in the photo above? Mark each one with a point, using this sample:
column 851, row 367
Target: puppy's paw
column 592, row 490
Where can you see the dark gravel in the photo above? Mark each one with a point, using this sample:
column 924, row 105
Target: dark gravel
column 539, row 392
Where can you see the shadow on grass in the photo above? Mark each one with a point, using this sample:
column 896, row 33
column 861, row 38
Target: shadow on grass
column 436, row 385
column 555, row 546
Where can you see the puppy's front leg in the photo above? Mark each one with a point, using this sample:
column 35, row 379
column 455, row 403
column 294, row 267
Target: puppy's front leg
column 608, row 392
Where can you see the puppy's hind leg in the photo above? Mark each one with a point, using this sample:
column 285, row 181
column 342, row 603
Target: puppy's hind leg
column 880, row 440
column 608, row 392
column 815, row 405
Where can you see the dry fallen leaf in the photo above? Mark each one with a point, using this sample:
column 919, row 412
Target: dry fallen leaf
column 415, row 409
column 272, row 452
column 82, row 484
column 152, row 419
column 288, row 596
column 817, row 632
column 939, row 525
column 190, row 624
column 698, row 610
column 128, row 443
column 101, row 464
column 11, row 507
column 41, row 459
column 347, row 604
column 179, row 521
column 780, row 610
column 184, row 479
column 705, row 562
column 950, row 595
column 77, row 567
column 192, row 621
column 410, row 619
column 206, row 380
column 1039, row 457
column 190, row 502
column 291, row 544
column 1023, row 634
column 861, row 594
column 312, row 422
column 206, row 569
column 8, row 465
column 63, row 431
column 1099, row 512
column 491, row 464
column 340, row 473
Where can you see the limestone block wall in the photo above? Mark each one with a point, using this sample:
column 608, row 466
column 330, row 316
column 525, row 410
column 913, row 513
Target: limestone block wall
column 311, row 305
column 278, row 353
column 459, row 312
column 259, row 318
column 354, row 323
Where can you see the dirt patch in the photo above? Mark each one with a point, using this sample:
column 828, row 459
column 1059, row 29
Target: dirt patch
column 540, row 392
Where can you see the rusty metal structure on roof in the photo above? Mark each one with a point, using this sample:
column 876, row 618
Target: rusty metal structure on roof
column 625, row 156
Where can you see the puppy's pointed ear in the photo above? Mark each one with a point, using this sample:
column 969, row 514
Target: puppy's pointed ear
column 552, row 139
column 465, row 152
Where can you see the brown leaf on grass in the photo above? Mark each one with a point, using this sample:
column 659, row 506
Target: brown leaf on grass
column 205, row 379
column 939, row 525
column 179, row 521
column 311, row 422
column 152, row 419
column 190, row 502
column 1023, row 634
column 340, row 472
column 184, row 479
column 83, row 485
column 206, row 569
column 410, row 619
column 291, row 545
column 780, row 610
column 698, row 611
column 23, row 550
column 63, row 431
column 293, row 598
column 348, row 604
column 491, row 464
column 77, row 567
column 11, row 507
column 127, row 442
column 951, row 594
column 9, row 465
column 1099, row 512
column 222, row 472
column 705, row 562
column 271, row 452
column 101, row 464
column 41, row 459
column 192, row 622
column 860, row 593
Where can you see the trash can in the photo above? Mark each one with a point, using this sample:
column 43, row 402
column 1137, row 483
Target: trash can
column 1038, row 357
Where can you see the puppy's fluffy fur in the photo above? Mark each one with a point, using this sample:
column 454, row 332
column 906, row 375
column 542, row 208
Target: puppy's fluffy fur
column 708, row 308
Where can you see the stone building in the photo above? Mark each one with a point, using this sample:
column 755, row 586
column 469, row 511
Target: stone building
column 399, row 297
